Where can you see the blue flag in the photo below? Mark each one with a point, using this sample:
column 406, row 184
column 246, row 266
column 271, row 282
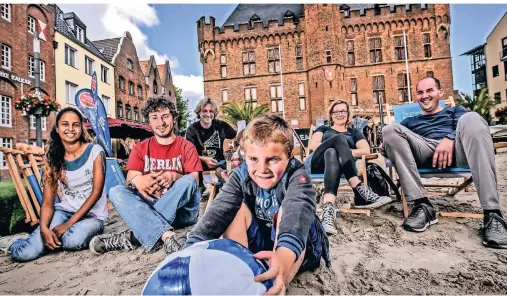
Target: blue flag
column 92, row 108
column 101, row 115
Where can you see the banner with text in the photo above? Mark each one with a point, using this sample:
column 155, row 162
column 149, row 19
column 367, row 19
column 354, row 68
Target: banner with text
column 88, row 105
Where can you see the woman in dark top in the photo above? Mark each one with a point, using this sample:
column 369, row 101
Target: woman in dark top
column 334, row 148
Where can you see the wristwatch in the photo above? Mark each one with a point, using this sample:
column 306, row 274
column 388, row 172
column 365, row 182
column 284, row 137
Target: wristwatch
column 451, row 136
column 130, row 185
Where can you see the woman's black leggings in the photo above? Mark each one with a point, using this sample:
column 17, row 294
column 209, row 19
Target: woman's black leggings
column 333, row 157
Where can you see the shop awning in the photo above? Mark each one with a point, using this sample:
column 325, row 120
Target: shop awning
column 122, row 129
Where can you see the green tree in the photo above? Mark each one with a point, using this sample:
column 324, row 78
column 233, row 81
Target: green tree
column 501, row 114
column 182, row 106
column 234, row 111
column 481, row 104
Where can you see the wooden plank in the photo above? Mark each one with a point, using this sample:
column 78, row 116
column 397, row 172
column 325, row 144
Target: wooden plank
column 370, row 156
column 462, row 215
column 26, row 173
column 442, row 185
column 20, row 188
column 211, row 196
column 404, row 204
column 17, row 186
column 500, row 145
column 366, row 212
column 461, row 186
column 345, row 188
column 363, row 164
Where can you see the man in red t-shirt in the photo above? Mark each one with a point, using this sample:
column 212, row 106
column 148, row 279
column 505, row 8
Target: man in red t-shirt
column 161, row 191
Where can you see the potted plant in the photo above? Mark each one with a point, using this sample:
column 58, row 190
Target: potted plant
column 40, row 105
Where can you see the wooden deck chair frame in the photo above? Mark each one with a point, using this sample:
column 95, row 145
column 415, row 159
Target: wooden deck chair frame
column 29, row 206
column 464, row 173
column 363, row 159
column 28, row 166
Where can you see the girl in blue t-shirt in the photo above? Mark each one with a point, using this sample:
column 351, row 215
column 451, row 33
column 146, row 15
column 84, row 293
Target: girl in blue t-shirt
column 75, row 168
column 334, row 148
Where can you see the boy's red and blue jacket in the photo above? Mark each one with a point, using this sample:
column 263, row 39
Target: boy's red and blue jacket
column 293, row 193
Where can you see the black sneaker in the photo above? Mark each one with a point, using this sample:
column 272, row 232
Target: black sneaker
column 366, row 198
column 494, row 232
column 103, row 243
column 421, row 216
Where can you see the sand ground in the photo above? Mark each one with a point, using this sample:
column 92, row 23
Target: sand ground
column 370, row 255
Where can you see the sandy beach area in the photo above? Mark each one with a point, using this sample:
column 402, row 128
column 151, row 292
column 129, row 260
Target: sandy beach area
column 370, row 255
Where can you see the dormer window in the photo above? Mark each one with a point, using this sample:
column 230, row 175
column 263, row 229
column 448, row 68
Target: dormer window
column 80, row 34
column 346, row 10
column 288, row 13
column 130, row 65
column 253, row 19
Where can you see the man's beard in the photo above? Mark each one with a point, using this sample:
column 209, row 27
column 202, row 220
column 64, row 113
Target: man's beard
column 165, row 136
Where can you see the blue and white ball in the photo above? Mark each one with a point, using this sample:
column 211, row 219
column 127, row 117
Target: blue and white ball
column 214, row 267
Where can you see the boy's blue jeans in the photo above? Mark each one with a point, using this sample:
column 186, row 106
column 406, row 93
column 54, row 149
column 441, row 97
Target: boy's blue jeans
column 76, row 238
column 178, row 207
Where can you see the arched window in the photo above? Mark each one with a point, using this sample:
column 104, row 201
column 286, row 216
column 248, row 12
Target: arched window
column 139, row 92
column 119, row 109
column 155, row 87
column 128, row 112
column 136, row 114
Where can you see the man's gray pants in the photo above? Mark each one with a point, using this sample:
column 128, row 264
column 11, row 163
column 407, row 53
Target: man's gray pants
column 473, row 149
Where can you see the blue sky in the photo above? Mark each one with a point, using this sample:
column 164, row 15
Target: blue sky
column 169, row 31
column 470, row 26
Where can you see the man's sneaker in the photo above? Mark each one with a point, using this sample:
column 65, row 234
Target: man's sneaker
column 421, row 216
column 7, row 241
column 329, row 218
column 366, row 198
column 103, row 243
column 204, row 194
column 494, row 233
column 173, row 244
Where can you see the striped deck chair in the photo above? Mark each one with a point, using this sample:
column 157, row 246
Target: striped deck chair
column 407, row 110
column 34, row 155
column 29, row 160
column 319, row 178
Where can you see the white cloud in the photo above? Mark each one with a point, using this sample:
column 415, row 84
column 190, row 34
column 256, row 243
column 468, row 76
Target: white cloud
column 112, row 20
column 174, row 63
column 192, row 87
column 129, row 17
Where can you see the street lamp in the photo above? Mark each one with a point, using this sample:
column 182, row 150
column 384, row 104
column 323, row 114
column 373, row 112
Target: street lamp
column 36, row 56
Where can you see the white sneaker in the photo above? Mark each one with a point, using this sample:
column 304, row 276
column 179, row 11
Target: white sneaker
column 329, row 218
column 7, row 241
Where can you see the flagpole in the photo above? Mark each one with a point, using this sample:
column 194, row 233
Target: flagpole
column 36, row 57
column 406, row 66
column 281, row 79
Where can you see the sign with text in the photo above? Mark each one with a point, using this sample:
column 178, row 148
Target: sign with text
column 89, row 107
column 14, row 78
column 304, row 135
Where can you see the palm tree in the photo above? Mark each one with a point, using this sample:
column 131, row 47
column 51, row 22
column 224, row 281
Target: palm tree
column 480, row 104
column 234, row 111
